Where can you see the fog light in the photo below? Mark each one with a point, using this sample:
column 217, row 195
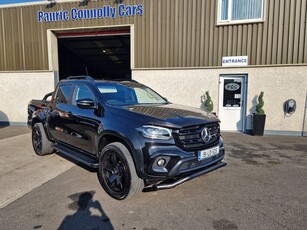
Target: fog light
column 161, row 162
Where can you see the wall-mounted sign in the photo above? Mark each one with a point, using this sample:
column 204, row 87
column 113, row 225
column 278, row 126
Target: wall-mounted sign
column 235, row 61
column 106, row 11
column 232, row 86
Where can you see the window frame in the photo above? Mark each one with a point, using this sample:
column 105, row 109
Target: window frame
column 73, row 98
column 68, row 102
column 230, row 21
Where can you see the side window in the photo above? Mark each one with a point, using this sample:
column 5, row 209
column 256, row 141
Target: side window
column 63, row 93
column 236, row 11
column 82, row 92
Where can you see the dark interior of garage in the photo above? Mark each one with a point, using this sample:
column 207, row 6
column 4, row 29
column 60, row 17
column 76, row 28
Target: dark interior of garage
column 101, row 57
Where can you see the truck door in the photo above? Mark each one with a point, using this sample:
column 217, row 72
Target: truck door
column 83, row 123
column 59, row 112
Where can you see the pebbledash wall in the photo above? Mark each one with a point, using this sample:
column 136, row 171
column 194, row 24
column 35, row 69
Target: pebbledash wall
column 279, row 84
column 177, row 49
column 17, row 88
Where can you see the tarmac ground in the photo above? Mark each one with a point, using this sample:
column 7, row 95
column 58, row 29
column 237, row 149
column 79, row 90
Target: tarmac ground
column 263, row 186
column 12, row 131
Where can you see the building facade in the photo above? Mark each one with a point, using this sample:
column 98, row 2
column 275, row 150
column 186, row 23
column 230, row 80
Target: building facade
column 181, row 48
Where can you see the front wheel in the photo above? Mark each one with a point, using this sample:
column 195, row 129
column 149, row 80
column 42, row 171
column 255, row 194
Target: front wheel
column 40, row 142
column 117, row 174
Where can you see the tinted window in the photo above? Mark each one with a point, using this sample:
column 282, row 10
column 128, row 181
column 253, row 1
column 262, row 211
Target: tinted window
column 63, row 93
column 116, row 94
column 82, row 92
column 232, row 93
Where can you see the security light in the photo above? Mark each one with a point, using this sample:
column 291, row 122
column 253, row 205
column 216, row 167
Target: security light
column 84, row 2
column 51, row 4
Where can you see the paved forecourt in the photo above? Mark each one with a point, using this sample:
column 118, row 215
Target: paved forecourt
column 21, row 170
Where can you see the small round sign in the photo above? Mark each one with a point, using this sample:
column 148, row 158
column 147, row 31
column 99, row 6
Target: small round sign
column 232, row 86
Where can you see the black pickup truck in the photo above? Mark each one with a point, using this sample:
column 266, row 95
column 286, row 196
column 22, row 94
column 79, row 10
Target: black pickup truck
column 134, row 137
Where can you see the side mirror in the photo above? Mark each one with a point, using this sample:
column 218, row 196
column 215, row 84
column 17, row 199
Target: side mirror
column 86, row 103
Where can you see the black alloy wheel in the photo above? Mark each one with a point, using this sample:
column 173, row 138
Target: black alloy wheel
column 117, row 173
column 40, row 142
column 37, row 139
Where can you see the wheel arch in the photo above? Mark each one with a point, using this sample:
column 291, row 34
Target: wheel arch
column 41, row 145
column 35, row 120
column 111, row 137
column 40, row 117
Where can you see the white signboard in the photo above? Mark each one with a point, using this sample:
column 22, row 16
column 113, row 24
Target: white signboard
column 235, row 61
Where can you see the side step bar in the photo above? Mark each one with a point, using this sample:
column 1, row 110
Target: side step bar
column 188, row 177
column 83, row 158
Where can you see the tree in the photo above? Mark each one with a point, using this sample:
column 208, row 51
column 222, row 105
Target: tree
column 208, row 103
column 259, row 106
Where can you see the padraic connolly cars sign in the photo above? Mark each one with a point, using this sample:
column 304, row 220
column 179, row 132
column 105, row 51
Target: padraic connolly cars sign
column 106, row 11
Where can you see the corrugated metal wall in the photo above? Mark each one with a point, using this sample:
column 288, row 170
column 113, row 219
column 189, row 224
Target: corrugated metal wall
column 171, row 33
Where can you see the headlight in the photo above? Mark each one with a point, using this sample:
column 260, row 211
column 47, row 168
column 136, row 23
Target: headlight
column 154, row 132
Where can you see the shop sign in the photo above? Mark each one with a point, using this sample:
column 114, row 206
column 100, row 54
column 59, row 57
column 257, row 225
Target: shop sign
column 103, row 12
column 232, row 86
column 235, row 61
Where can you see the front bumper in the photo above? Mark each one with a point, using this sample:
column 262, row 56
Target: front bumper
column 179, row 162
column 178, row 181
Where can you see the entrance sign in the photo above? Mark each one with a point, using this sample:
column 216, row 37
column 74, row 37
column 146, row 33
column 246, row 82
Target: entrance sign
column 106, row 11
column 235, row 61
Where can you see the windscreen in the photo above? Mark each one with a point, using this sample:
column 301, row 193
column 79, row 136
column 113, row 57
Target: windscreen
column 117, row 94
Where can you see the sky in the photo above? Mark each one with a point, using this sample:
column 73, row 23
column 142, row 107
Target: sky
column 2, row 2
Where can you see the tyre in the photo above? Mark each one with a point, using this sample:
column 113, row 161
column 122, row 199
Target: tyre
column 40, row 143
column 117, row 174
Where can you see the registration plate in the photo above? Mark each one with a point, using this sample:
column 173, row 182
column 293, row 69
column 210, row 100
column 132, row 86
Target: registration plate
column 208, row 153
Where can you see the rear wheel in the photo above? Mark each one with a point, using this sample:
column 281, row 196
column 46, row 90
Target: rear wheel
column 117, row 173
column 40, row 143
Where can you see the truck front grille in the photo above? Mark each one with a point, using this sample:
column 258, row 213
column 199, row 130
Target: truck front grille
column 190, row 139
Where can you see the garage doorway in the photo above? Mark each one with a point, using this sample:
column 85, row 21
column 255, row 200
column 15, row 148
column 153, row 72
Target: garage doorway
column 232, row 102
column 102, row 52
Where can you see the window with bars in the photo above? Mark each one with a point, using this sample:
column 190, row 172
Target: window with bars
column 236, row 11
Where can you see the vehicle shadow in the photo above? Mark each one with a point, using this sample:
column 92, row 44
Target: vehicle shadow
column 89, row 214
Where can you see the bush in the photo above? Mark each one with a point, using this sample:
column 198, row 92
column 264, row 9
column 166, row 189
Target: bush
column 259, row 106
column 208, row 103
